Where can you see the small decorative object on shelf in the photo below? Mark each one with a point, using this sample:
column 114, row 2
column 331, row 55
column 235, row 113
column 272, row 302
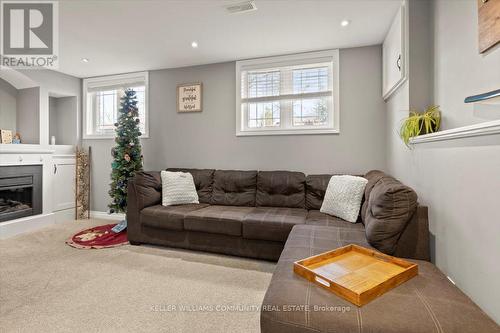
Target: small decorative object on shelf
column 17, row 139
column 420, row 123
column 82, row 186
column 52, row 140
column 5, row 136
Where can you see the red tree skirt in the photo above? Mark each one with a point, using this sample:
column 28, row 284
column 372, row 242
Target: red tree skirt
column 98, row 238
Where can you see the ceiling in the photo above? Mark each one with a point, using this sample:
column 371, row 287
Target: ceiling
column 126, row 36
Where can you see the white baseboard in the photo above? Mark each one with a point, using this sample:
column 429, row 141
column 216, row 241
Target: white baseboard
column 106, row 216
column 62, row 216
column 26, row 224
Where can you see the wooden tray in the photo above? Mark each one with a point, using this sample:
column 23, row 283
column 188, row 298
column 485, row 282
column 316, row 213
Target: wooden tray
column 355, row 273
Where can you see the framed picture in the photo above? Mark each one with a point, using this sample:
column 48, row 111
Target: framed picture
column 189, row 97
column 489, row 24
column 6, row 136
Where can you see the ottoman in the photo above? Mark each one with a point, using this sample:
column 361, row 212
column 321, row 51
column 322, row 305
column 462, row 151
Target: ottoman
column 427, row 303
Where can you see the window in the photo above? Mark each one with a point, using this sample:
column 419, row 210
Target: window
column 102, row 101
column 296, row 94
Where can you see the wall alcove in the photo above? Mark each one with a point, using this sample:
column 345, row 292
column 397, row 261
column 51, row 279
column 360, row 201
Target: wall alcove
column 36, row 109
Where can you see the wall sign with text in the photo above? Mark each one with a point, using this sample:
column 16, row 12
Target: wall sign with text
column 189, row 97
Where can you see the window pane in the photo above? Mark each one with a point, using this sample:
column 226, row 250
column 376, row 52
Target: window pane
column 309, row 80
column 106, row 109
column 310, row 112
column 263, row 84
column 108, row 103
column 288, row 95
column 265, row 114
column 103, row 100
column 141, row 97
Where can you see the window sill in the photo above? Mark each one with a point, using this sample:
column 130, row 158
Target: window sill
column 289, row 132
column 482, row 129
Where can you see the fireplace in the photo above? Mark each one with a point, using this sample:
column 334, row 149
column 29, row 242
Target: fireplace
column 20, row 191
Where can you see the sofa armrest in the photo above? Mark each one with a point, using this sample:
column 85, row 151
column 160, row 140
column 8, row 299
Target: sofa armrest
column 143, row 190
column 414, row 241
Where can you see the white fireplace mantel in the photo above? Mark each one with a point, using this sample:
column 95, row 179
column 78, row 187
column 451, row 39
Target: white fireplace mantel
column 27, row 154
column 24, row 149
column 35, row 149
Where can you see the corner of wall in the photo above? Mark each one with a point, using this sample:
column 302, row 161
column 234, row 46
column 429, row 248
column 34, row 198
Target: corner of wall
column 421, row 54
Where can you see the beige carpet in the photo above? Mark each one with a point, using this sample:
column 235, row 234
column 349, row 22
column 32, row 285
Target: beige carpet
column 47, row 286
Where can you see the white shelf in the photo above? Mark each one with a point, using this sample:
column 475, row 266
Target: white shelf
column 36, row 149
column 25, row 149
column 482, row 129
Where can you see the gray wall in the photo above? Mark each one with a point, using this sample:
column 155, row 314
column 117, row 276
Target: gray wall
column 56, row 84
column 459, row 69
column 421, row 64
column 28, row 115
column 208, row 140
column 62, row 119
column 52, row 116
column 8, row 97
column 458, row 179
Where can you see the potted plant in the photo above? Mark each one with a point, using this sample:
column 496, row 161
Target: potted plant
column 420, row 123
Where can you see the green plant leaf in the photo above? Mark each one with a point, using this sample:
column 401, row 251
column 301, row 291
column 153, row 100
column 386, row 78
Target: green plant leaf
column 417, row 123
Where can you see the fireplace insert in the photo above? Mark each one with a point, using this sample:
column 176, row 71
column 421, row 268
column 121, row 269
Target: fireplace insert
column 20, row 191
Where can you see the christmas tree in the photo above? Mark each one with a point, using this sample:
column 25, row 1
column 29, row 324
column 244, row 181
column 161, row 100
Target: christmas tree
column 127, row 158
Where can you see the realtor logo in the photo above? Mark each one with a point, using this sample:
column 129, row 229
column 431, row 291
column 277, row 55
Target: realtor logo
column 29, row 34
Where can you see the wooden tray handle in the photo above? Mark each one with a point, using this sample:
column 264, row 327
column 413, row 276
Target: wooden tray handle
column 322, row 281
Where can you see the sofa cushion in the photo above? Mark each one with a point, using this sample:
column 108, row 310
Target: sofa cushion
column 167, row 217
column 272, row 223
column 203, row 180
column 315, row 190
column 315, row 217
column 234, row 188
column 373, row 177
column 429, row 302
column 281, row 189
column 390, row 206
column 148, row 188
column 224, row 220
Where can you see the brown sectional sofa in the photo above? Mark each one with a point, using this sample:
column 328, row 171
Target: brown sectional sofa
column 275, row 215
column 251, row 214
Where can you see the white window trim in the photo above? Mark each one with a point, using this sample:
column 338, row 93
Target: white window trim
column 306, row 58
column 110, row 80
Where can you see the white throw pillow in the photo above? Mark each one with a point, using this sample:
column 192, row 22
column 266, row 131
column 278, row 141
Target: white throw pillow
column 178, row 188
column 343, row 197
